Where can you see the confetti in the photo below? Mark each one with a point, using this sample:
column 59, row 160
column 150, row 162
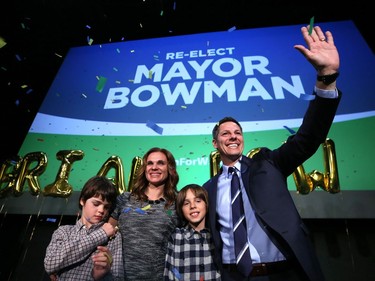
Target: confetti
column 311, row 25
column 115, row 69
column 155, row 127
column 126, row 210
column 2, row 42
column 118, row 50
column 88, row 27
column 150, row 74
column 140, row 211
column 232, row 29
column 83, row 95
column 101, row 83
column 146, row 207
column 290, row 130
column 56, row 54
column 176, row 273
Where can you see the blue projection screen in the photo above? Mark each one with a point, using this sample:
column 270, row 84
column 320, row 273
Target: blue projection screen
column 120, row 99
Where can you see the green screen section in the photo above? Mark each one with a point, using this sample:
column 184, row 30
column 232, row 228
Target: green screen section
column 353, row 141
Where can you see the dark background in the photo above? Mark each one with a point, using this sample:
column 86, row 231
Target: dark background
column 39, row 34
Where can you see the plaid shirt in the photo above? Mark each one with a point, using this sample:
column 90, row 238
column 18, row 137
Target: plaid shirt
column 189, row 256
column 71, row 247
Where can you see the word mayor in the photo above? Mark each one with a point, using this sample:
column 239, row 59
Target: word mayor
column 202, row 77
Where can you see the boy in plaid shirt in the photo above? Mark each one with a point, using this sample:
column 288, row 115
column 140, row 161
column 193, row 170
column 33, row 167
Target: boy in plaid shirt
column 91, row 249
column 190, row 248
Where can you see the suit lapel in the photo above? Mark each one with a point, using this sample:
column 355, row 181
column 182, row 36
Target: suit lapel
column 212, row 193
column 245, row 172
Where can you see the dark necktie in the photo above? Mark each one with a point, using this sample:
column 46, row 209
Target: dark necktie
column 241, row 246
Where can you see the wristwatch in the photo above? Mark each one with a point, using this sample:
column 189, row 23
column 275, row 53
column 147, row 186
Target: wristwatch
column 328, row 79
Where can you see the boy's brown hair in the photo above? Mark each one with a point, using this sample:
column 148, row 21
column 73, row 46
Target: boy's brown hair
column 198, row 191
column 99, row 186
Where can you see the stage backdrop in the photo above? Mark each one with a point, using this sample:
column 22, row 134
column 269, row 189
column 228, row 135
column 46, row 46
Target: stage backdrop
column 120, row 99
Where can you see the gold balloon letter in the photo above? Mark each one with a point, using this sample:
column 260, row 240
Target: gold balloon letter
column 136, row 164
column 328, row 181
column 8, row 175
column 22, row 172
column 114, row 162
column 61, row 186
column 214, row 163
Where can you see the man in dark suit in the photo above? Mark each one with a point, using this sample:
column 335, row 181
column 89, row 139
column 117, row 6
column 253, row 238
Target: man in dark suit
column 278, row 245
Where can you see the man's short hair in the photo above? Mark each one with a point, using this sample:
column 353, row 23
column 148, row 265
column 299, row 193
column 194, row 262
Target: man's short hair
column 215, row 130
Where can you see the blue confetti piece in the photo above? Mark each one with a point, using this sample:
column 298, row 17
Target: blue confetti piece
column 232, row 29
column 51, row 220
column 126, row 210
column 307, row 97
column 155, row 127
column 88, row 27
column 290, row 130
column 140, row 211
column 176, row 273
column 18, row 57
column 29, row 91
